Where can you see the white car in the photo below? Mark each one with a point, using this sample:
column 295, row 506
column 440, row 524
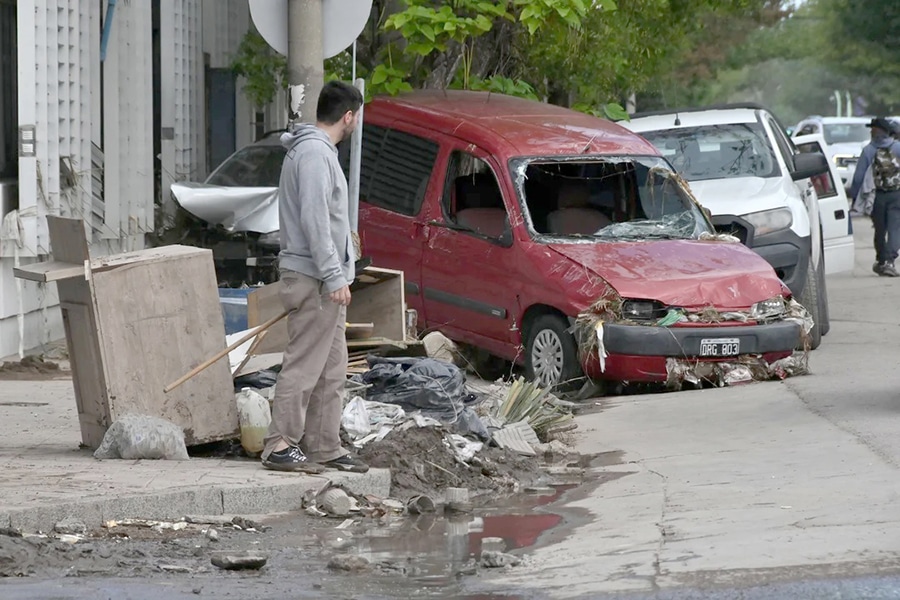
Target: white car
column 744, row 169
column 844, row 137
column 834, row 207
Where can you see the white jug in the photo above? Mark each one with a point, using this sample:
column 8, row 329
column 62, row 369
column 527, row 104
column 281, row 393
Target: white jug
column 255, row 416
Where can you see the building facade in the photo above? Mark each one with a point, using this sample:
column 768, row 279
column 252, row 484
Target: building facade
column 103, row 104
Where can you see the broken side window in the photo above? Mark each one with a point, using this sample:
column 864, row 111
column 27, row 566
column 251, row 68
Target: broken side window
column 613, row 198
column 472, row 199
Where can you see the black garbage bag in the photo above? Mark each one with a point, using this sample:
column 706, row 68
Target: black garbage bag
column 435, row 387
column 258, row 380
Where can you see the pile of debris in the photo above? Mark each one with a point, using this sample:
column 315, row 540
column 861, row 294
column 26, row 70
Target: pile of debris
column 589, row 331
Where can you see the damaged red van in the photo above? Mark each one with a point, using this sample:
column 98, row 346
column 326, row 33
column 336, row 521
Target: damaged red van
column 560, row 241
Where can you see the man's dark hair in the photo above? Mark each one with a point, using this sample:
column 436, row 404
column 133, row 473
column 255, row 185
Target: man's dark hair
column 335, row 100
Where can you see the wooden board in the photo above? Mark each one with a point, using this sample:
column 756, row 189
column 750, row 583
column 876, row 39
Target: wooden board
column 158, row 318
column 69, row 245
column 378, row 298
column 46, row 272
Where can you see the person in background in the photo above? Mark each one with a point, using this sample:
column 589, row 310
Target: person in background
column 882, row 154
column 316, row 264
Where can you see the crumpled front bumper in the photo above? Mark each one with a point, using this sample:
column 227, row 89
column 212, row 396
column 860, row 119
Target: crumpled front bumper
column 638, row 353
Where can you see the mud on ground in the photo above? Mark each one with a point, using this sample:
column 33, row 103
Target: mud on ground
column 31, row 368
column 420, row 463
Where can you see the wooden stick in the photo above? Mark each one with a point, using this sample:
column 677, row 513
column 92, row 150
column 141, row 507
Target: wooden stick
column 206, row 364
column 250, row 351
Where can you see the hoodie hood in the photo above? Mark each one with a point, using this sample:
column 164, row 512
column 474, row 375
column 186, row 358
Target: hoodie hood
column 299, row 132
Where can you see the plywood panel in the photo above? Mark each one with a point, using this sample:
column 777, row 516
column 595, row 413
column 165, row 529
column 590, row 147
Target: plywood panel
column 158, row 319
column 378, row 298
column 84, row 356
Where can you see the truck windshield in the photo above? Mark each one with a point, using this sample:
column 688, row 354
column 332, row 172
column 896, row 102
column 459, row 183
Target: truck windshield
column 606, row 199
column 717, row 151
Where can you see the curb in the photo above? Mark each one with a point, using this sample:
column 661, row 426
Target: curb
column 214, row 500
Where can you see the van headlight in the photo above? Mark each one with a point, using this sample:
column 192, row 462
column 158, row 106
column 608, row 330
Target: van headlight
column 769, row 221
column 768, row 309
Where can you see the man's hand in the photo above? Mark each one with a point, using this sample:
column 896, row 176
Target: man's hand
column 341, row 296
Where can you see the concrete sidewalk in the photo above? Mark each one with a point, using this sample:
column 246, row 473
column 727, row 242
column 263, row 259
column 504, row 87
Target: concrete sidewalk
column 46, row 477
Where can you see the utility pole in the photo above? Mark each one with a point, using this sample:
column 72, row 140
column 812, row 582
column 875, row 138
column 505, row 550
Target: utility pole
column 306, row 69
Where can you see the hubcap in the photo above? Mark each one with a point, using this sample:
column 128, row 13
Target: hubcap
column 547, row 358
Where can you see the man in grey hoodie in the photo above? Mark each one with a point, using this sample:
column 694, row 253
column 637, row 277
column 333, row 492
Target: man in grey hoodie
column 883, row 155
column 317, row 267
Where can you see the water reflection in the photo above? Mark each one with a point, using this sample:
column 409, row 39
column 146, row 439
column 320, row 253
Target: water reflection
column 433, row 550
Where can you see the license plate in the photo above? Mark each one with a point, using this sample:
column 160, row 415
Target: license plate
column 720, row 347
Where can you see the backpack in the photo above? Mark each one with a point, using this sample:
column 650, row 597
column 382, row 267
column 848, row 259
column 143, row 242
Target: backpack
column 886, row 170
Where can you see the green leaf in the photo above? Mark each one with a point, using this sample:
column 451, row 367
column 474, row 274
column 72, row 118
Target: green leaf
column 379, row 75
column 615, row 112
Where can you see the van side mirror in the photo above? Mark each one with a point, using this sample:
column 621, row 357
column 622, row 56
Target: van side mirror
column 506, row 238
column 809, row 164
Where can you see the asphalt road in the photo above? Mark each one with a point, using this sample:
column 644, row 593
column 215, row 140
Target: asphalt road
column 769, row 490
column 763, row 491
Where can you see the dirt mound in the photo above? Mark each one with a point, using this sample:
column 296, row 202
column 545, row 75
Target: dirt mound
column 31, row 367
column 420, row 463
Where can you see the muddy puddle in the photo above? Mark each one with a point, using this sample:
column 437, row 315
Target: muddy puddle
column 440, row 556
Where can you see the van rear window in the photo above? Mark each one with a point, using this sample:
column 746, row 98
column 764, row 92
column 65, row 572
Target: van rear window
column 395, row 169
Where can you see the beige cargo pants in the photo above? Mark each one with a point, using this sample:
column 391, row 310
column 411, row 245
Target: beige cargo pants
column 306, row 410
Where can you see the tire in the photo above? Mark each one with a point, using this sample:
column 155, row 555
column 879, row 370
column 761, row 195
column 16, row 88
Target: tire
column 809, row 298
column 551, row 354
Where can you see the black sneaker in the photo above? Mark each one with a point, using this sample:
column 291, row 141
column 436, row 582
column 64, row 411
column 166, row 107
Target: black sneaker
column 888, row 270
column 347, row 463
column 291, row 459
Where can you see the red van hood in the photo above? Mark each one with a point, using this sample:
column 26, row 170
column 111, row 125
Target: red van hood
column 685, row 273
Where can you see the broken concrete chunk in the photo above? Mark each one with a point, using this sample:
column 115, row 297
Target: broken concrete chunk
column 212, row 535
column 235, row 561
column 70, row 526
column 498, row 560
column 335, row 502
column 348, row 562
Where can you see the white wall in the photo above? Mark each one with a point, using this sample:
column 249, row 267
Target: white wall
column 59, row 94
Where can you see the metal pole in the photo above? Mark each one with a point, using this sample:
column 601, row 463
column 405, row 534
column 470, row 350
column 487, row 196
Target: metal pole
column 355, row 159
column 306, row 70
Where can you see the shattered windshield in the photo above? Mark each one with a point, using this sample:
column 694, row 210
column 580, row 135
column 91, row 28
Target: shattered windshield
column 606, row 199
column 717, row 151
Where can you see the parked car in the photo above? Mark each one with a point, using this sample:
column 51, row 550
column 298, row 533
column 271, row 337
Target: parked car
column 554, row 239
column 745, row 170
column 514, row 219
column 844, row 137
column 834, row 207
column 234, row 212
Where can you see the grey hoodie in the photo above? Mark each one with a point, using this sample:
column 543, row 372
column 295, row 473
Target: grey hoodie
column 313, row 210
column 866, row 159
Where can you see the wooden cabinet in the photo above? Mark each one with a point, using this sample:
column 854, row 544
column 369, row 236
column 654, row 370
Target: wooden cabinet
column 134, row 323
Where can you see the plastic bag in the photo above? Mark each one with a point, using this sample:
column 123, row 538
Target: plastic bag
column 355, row 419
column 139, row 436
column 435, row 387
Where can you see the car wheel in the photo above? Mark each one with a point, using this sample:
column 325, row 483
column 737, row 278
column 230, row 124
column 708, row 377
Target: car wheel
column 552, row 354
column 809, row 298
